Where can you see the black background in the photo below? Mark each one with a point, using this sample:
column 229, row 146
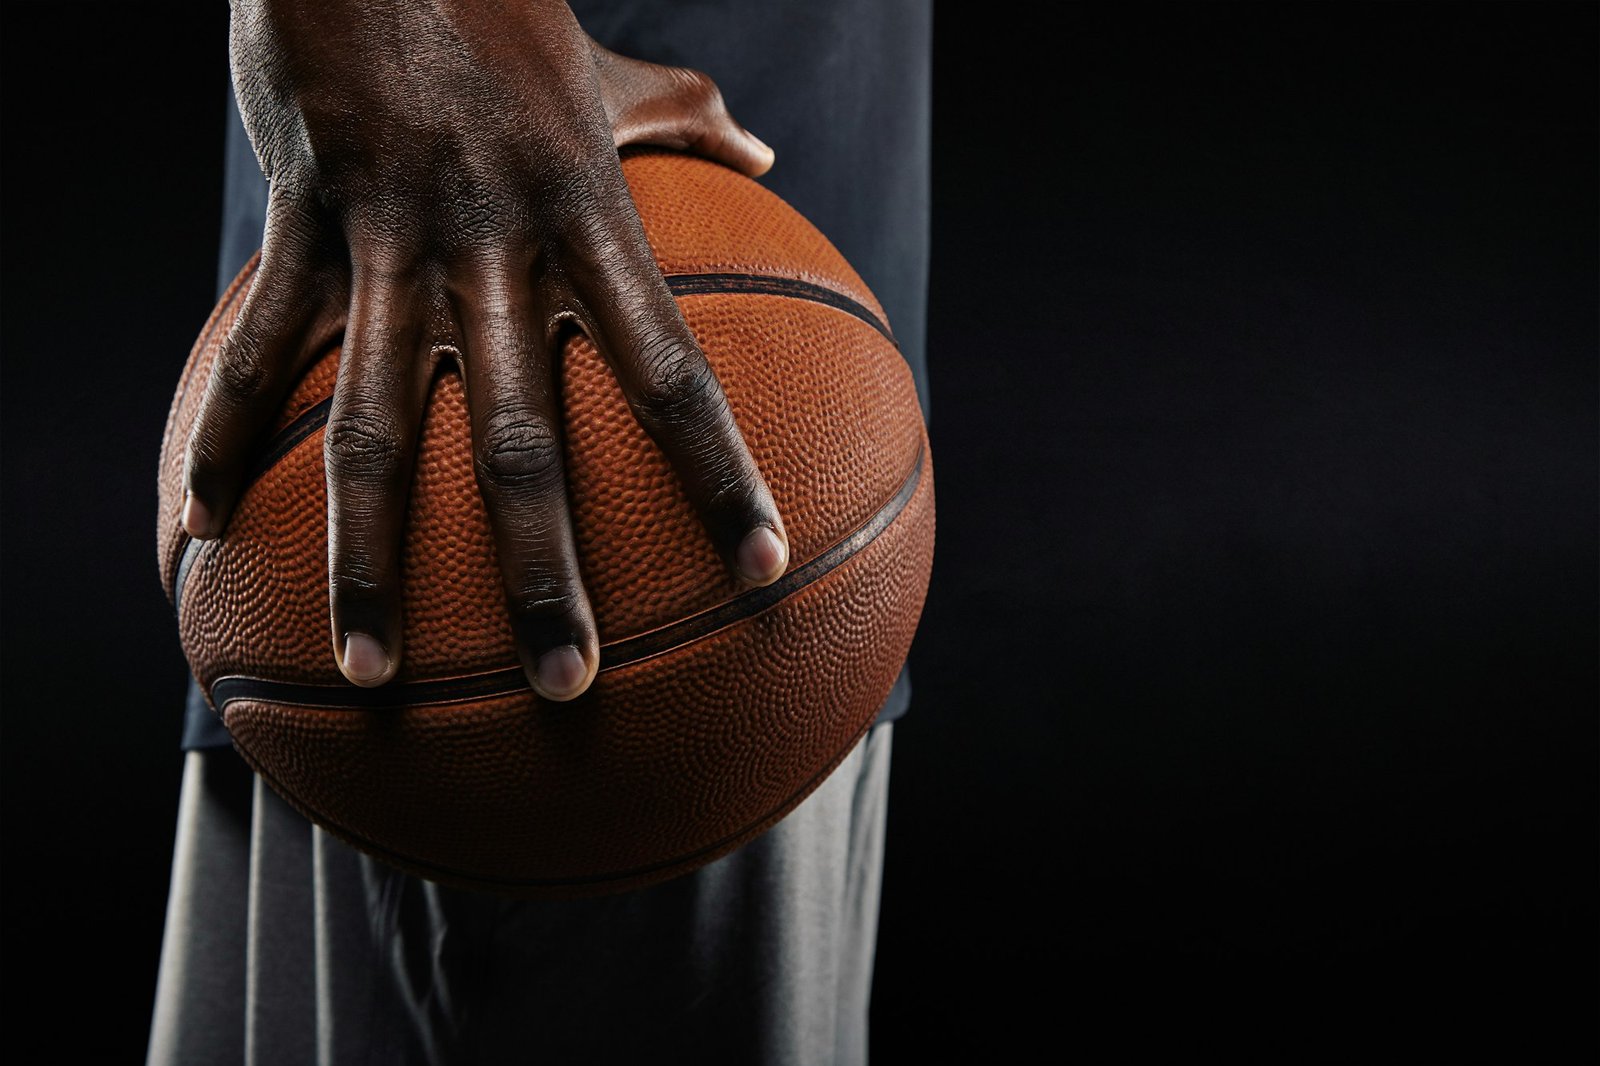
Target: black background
column 1254, row 702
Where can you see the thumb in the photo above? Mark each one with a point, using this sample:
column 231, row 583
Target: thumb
column 674, row 107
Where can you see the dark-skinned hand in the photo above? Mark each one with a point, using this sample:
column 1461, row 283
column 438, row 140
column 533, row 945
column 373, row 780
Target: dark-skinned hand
column 445, row 184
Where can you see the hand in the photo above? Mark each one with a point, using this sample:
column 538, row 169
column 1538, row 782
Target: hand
column 445, row 182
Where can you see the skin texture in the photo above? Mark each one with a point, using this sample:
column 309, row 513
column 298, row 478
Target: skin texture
column 445, row 184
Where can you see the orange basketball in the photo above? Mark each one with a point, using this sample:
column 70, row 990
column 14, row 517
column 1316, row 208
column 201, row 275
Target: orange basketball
column 717, row 708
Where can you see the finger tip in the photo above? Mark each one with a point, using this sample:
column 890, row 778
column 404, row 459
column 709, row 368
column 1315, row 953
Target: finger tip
column 197, row 518
column 763, row 555
column 561, row 674
column 760, row 155
column 365, row 661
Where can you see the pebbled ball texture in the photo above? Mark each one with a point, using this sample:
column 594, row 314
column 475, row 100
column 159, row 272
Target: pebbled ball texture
column 687, row 744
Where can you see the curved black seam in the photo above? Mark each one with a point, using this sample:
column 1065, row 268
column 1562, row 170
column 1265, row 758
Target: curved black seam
column 287, row 440
column 769, row 285
column 316, row 416
column 614, row 655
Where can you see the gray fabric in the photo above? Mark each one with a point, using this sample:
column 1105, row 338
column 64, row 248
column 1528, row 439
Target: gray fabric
column 285, row 945
column 202, row 973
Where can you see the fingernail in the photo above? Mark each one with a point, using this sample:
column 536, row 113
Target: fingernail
column 561, row 671
column 762, row 556
column 196, row 517
column 364, row 657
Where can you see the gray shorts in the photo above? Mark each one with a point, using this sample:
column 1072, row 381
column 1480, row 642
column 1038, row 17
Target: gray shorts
column 285, row 945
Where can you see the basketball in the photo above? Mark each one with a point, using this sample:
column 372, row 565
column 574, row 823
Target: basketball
column 717, row 708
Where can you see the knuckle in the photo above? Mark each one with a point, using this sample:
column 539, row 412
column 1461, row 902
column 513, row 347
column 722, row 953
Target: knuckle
column 568, row 185
column 362, row 442
column 677, row 388
column 475, row 215
column 484, row 263
column 544, row 597
column 355, row 583
column 355, row 578
column 520, row 451
column 391, row 258
column 735, row 494
column 699, row 89
column 201, row 453
column 241, row 370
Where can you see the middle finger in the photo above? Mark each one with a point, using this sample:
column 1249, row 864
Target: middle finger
column 520, row 461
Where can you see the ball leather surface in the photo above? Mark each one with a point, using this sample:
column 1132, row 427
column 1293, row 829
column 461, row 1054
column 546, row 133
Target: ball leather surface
column 671, row 758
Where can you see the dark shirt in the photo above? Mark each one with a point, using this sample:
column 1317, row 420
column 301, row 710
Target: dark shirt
column 839, row 90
